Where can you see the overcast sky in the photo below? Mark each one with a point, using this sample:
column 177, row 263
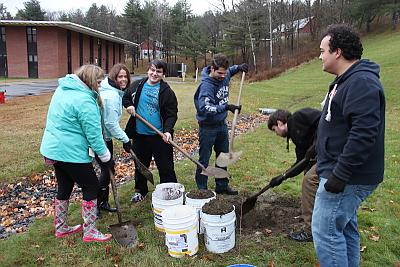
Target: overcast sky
column 198, row 6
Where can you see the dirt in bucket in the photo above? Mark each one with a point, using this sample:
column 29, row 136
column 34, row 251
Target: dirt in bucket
column 200, row 194
column 273, row 213
column 217, row 206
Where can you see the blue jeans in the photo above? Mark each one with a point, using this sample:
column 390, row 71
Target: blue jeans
column 209, row 137
column 334, row 225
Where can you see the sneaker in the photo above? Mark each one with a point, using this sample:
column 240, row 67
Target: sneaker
column 137, row 197
column 227, row 191
column 301, row 236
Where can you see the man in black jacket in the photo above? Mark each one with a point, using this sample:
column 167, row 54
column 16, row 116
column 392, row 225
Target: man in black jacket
column 301, row 128
column 350, row 146
column 154, row 100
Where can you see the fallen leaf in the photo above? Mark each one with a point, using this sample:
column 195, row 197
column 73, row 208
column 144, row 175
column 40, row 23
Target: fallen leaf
column 363, row 248
column 271, row 263
column 374, row 238
column 267, row 232
column 374, row 228
column 40, row 260
column 247, row 178
column 141, row 245
column 116, row 259
column 107, row 249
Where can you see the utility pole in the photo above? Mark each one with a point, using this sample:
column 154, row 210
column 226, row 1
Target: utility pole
column 270, row 31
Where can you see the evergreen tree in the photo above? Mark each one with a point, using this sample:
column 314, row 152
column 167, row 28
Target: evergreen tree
column 32, row 11
column 4, row 14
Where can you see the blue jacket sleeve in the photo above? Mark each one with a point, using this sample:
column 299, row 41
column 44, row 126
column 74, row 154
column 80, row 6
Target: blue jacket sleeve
column 111, row 120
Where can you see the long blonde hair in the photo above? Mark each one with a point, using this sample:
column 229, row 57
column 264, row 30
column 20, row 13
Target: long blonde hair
column 90, row 74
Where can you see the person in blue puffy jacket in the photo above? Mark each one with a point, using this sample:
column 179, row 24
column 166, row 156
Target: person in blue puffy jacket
column 72, row 137
column 111, row 92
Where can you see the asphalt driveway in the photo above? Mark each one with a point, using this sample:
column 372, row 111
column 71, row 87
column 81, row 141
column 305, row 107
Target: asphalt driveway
column 34, row 87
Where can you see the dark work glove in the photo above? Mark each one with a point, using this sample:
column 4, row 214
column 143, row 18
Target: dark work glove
column 277, row 180
column 334, row 185
column 127, row 146
column 243, row 67
column 110, row 165
column 232, row 108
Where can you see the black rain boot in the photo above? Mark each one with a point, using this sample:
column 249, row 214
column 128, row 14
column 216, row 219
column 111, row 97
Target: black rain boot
column 103, row 200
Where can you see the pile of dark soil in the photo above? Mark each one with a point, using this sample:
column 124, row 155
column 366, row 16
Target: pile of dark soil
column 273, row 213
column 217, row 207
column 200, row 194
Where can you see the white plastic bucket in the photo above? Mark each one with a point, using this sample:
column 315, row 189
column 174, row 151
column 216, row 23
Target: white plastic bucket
column 219, row 231
column 160, row 203
column 198, row 204
column 180, row 225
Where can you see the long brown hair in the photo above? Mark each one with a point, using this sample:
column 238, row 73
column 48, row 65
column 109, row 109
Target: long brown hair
column 90, row 74
column 113, row 74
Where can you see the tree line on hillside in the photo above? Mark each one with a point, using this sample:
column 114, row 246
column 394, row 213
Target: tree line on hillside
column 240, row 28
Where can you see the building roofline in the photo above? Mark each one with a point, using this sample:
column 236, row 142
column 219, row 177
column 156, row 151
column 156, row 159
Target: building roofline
column 69, row 26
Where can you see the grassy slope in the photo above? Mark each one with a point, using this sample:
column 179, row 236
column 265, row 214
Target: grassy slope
column 264, row 155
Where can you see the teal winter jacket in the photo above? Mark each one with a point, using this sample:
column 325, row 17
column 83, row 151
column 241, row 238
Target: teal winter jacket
column 73, row 123
column 112, row 111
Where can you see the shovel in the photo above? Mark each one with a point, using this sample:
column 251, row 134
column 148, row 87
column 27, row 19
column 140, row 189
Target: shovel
column 209, row 171
column 124, row 232
column 226, row 159
column 293, row 171
column 142, row 169
column 250, row 202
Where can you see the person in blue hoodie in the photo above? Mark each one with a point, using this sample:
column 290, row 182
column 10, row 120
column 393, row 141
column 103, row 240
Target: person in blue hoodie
column 211, row 102
column 70, row 141
column 111, row 92
column 350, row 146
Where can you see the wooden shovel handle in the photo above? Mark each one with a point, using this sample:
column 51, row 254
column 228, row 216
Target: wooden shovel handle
column 171, row 142
column 115, row 194
column 235, row 115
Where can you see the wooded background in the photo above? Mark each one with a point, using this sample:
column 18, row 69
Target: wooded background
column 238, row 28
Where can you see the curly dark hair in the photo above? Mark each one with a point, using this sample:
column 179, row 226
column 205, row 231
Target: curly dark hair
column 344, row 37
column 279, row 115
column 220, row 61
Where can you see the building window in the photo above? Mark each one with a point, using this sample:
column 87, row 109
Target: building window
column 69, row 52
column 31, row 39
column 106, row 56
column 3, row 53
column 99, row 52
column 80, row 49
column 91, row 59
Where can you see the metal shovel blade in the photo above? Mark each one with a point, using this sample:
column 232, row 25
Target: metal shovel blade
column 226, row 159
column 248, row 204
column 125, row 234
column 215, row 172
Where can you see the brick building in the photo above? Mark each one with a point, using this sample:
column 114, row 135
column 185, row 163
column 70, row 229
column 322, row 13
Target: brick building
column 50, row 49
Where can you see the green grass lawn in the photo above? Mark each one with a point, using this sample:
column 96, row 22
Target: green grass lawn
column 264, row 155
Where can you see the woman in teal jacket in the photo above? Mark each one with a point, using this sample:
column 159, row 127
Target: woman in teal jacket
column 72, row 137
column 111, row 92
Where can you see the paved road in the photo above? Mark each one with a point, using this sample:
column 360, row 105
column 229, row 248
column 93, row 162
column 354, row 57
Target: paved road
column 34, row 87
